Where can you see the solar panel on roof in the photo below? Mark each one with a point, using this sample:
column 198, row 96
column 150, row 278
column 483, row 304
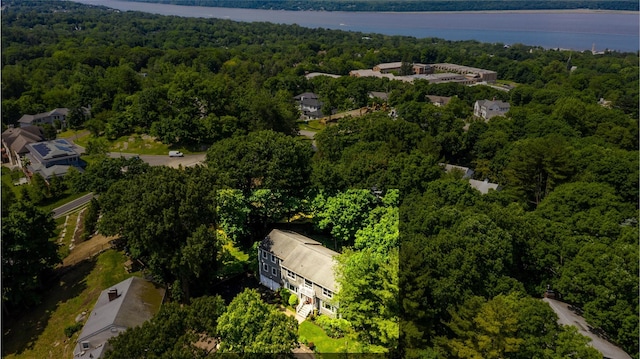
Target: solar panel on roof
column 42, row 149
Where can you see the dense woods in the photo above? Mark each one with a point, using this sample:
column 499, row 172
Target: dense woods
column 429, row 265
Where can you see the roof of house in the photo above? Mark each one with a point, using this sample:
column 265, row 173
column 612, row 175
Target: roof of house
column 18, row 138
column 439, row 99
column 483, row 186
column 306, row 95
column 567, row 316
column 52, row 171
column 138, row 300
column 466, row 171
column 49, row 150
column 489, row 103
column 380, row 95
column 304, row 256
column 55, row 111
column 311, row 102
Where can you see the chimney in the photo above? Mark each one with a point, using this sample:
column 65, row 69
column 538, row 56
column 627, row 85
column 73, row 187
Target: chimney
column 113, row 294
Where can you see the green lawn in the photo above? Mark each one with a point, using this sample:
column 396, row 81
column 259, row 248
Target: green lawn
column 323, row 343
column 139, row 144
column 9, row 177
column 234, row 261
column 313, row 125
column 39, row 333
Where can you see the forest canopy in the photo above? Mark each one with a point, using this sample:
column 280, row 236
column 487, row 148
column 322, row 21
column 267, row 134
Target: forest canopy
column 449, row 263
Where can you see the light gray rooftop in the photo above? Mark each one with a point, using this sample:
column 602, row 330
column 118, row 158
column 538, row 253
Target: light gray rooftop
column 304, row 256
column 483, row 186
column 138, row 300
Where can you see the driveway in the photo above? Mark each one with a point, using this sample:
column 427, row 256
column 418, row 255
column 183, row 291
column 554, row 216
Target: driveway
column 165, row 160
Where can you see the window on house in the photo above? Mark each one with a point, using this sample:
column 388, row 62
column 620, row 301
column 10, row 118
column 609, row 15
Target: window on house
column 290, row 274
column 85, row 345
column 328, row 306
column 327, row 293
column 273, row 258
column 265, row 267
column 292, row 287
column 308, row 284
column 274, row 271
column 264, row 254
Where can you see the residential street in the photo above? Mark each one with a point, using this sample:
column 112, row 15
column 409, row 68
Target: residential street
column 165, row 160
column 60, row 211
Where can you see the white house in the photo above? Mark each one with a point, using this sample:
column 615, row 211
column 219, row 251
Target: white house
column 487, row 109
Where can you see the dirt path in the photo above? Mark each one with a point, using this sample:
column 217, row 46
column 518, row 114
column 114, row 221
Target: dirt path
column 87, row 249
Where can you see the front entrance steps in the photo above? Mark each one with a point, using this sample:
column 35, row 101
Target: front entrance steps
column 305, row 310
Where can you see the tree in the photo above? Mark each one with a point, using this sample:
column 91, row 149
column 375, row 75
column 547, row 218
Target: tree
column 161, row 216
column 368, row 295
column 233, row 214
column 172, row 333
column 511, row 326
column 27, row 253
column 263, row 159
column 344, row 214
column 536, row 166
column 91, row 218
column 252, row 326
column 98, row 146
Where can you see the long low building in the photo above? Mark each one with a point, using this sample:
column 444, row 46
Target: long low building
column 482, row 74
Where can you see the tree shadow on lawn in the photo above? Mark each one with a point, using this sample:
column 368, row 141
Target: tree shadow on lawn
column 22, row 329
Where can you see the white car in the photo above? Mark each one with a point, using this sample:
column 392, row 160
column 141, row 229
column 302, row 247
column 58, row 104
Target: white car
column 175, row 154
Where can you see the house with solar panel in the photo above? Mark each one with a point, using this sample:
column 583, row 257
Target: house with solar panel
column 303, row 266
column 52, row 158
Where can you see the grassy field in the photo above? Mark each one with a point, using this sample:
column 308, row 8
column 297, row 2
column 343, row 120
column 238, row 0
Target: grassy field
column 39, row 333
column 323, row 343
column 313, row 125
column 140, row 144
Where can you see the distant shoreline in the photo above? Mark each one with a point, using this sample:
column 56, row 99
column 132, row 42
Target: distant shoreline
column 550, row 11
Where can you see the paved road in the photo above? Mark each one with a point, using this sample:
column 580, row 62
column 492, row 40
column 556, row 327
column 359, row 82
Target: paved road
column 311, row 135
column 165, row 160
column 567, row 316
column 60, row 211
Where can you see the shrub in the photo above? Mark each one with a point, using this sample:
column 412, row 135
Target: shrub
column 293, row 300
column 303, row 340
column 311, row 345
column 335, row 328
column 284, row 295
column 72, row 329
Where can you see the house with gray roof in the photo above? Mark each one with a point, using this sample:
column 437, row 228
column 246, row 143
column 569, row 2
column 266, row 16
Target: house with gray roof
column 15, row 141
column 484, row 186
column 125, row 305
column 309, row 105
column 57, row 114
column 467, row 173
column 486, row 109
column 303, row 266
column 53, row 158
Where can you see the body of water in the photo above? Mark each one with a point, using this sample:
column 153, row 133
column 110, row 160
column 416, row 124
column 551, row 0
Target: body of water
column 575, row 30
